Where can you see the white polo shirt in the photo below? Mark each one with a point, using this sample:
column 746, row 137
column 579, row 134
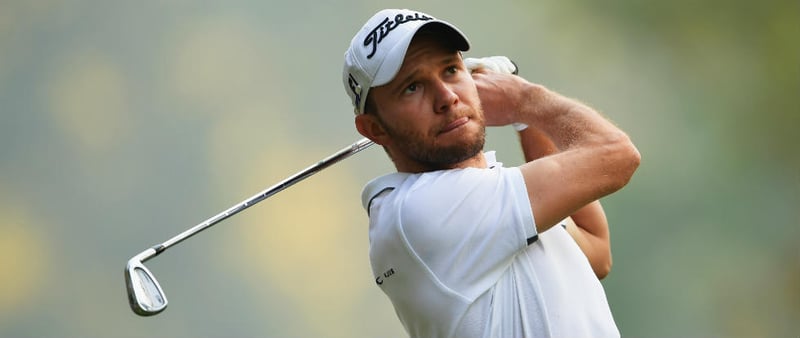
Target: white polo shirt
column 451, row 251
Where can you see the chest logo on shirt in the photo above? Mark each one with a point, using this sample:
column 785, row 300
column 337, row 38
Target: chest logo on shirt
column 385, row 275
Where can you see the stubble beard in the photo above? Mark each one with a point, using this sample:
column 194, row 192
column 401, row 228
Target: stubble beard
column 428, row 153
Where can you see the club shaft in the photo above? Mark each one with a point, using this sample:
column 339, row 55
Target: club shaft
column 305, row 173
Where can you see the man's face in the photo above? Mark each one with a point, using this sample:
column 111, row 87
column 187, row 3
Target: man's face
column 430, row 110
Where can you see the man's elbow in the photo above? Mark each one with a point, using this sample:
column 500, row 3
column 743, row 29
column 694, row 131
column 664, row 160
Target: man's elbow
column 626, row 159
column 602, row 270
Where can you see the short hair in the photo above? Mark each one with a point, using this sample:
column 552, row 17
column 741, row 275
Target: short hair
column 369, row 106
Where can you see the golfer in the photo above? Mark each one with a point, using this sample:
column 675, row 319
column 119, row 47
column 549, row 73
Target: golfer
column 461, row 245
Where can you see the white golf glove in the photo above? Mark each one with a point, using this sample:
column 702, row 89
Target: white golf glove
column 500, row 64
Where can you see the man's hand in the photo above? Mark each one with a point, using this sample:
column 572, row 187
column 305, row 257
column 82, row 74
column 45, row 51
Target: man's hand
column 499, row 64
column 499, row 89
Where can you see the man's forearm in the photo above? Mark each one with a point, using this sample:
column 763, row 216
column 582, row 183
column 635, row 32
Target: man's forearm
column 535, row 144
column 594, row 158
column 592, row 236
column 564, row 121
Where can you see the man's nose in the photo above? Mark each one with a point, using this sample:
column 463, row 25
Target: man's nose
column 445, row 97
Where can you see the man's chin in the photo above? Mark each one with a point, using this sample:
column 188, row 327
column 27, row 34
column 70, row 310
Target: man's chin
column 452, row 154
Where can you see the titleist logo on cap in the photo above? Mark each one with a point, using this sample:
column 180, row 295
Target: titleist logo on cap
column 386, row 26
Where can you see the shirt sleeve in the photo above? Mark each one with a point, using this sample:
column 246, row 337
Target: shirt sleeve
column 467, row 225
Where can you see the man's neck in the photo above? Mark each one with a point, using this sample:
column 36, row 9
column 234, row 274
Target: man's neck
column 477, row 161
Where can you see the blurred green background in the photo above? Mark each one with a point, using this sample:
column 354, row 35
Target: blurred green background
column 125, row 123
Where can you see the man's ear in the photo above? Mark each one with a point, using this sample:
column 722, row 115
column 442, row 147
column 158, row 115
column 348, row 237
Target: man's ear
column 369, row 126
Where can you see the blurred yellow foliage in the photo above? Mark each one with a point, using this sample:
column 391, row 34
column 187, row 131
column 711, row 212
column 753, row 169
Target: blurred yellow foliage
column 89, row 102
column 24, row 259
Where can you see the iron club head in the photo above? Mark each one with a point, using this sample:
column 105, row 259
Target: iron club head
column 144, row 294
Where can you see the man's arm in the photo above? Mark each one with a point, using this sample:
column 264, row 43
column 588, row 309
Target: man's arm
column 594, row 157
column 588, row 226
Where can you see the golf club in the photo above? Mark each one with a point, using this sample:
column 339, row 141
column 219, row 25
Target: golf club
column 145, row 295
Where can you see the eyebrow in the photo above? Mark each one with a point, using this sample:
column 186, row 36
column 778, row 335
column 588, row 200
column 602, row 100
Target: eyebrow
column 408, row 78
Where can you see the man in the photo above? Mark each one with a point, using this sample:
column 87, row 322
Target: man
column 462, row 246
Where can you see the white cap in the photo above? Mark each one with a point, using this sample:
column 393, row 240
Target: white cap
column 377, row 51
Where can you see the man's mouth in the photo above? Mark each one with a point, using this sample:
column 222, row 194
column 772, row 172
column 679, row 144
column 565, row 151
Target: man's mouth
column 455, row 124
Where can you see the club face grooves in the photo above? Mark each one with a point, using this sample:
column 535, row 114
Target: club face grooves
column 145, row 295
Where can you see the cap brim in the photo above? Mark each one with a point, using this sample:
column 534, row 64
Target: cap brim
column 394, row 60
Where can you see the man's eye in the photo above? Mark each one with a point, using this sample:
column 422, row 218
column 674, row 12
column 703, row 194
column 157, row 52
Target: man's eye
column 411, row 88
column 452, row 69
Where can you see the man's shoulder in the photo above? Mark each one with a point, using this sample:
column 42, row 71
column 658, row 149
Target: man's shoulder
column 400, row 180
column 380, row 184
column 439, row 184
